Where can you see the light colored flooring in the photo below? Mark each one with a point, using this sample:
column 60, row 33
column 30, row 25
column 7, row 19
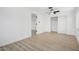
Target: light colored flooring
column 44, row 42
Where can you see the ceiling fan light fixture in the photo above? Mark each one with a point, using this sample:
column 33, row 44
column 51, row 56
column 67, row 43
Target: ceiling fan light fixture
column 52, row 11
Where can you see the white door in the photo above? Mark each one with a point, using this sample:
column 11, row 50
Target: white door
column 54, row 24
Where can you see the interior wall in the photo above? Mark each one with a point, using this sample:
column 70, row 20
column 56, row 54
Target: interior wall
column 71, row 23
column 77, row 25
column 14, row 24
column 62, row 24
column 77, row 20
column 43, row 23
column 67, row 23
column 46, row 23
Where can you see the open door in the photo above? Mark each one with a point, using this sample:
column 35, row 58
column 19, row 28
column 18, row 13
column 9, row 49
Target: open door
column 34, row 24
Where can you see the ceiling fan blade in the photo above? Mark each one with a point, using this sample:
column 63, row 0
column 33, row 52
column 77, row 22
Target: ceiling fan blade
column 52, row 11
column 50, row 7
column 57, row 11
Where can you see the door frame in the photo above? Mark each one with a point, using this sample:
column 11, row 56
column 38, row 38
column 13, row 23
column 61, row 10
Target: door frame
column 31, row 24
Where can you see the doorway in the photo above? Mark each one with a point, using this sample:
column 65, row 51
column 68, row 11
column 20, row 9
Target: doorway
column 34, row 24
column 54, row 24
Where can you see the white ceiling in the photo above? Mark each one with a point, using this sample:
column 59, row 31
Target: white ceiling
column 45, row 9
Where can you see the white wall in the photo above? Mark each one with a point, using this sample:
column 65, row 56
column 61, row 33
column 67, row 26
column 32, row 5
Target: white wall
column 77, row 20
column 71, row 23
column 62, row 24
column 67, row 23
column 43, row 23
column 14, row 24
column 77, row 25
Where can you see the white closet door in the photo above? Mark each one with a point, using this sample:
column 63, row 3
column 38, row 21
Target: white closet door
column 54, row 24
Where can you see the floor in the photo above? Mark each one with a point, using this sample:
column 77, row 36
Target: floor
column 44, row 42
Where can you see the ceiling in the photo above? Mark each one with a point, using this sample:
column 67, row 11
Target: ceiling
column 45, row 10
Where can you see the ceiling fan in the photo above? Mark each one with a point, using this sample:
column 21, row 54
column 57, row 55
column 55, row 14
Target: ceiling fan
column 51, row 10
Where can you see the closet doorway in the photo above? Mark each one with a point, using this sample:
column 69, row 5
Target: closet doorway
column 54, row 24
column 34, row 24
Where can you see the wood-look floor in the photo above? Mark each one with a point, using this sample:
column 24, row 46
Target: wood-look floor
column 44, row 42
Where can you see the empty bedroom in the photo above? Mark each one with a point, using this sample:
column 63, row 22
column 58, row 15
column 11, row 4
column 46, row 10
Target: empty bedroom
column 39, row 28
